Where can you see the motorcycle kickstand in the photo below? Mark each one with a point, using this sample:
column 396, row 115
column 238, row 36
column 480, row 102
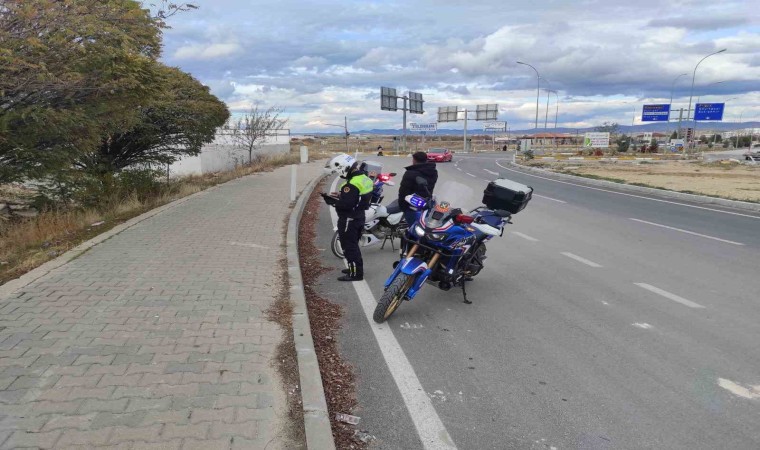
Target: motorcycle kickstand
column 464, row 292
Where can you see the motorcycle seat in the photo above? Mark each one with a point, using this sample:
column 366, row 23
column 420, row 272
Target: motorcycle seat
column 393, row 207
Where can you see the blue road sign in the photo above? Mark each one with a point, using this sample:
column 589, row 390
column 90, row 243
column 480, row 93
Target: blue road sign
column 655, row 113
column 709, row 111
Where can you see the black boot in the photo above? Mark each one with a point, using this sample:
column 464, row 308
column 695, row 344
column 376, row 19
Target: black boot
column 353, row 273
column 351, row 278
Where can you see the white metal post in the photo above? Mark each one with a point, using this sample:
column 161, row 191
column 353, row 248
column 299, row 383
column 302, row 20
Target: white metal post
column 293, row 176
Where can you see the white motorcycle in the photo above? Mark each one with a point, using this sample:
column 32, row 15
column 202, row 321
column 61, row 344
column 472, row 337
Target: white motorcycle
column 381, row 223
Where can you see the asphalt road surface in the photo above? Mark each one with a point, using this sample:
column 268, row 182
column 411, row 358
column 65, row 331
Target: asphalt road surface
column 602, row 320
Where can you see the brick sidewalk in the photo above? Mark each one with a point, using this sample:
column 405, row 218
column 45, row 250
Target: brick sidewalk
column 157, row 337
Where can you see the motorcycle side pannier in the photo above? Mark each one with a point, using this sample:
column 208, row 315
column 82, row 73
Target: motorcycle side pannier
column 507, row 194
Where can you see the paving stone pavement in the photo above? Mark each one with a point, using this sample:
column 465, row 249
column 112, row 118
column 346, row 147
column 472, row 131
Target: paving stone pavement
column 157, row 337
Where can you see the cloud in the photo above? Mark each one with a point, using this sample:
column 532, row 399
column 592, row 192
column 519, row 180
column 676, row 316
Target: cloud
column 700, row 23
column 204, row 52
column 328, row 59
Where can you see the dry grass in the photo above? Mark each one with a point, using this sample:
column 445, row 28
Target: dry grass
column 29, row 243
column 726, row 180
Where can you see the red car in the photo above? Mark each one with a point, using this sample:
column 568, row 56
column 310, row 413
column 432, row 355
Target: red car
column 439, row 155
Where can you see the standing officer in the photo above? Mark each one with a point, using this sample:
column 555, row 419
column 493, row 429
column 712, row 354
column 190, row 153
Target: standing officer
column 350, row 203
column 420, row 168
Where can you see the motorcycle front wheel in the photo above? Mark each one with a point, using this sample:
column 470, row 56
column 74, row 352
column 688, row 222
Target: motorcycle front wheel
column 335, row 246
column 392, row 297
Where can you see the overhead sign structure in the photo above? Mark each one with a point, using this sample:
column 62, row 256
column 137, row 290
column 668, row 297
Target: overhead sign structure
column 497, row 126
column 416, row 103
column 482, row 112
column 597, row 140
column 486, row 112
column 448, row 113
column 709, row 111
column 388, row 99
column 429, row 127
column 413, row 103
column 655, row 113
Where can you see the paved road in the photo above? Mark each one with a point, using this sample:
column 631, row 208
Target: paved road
column 601, row 321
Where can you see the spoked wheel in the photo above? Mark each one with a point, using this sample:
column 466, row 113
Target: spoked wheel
column 392, row 297
column 335, row 245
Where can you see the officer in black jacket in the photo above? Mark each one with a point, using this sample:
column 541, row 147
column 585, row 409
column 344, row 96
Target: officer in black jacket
column 420, row 168
column 350, row 202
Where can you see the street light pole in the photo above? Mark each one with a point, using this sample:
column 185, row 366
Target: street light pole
column 691, row 92
column 673, row 86
column 548, row 90
column 345, row 129
column 538, row 88
column 556, row 111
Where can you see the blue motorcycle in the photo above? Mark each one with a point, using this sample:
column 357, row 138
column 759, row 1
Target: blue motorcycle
column 446, row 247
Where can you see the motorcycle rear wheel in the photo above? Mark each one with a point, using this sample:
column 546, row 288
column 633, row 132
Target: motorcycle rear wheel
column 335, row 245
column 392, row 297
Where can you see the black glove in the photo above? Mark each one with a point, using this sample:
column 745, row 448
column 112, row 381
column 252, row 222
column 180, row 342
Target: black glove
column 329, row 199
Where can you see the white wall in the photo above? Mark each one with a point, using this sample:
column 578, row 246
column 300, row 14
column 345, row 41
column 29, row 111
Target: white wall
column 223, row 155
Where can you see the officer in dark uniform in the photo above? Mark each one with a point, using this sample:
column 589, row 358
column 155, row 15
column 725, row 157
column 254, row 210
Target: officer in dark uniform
column 352, row 200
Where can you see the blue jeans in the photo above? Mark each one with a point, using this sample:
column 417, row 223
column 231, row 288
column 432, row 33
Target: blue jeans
column 411, row 217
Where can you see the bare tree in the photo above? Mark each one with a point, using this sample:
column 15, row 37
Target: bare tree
column 252, row 130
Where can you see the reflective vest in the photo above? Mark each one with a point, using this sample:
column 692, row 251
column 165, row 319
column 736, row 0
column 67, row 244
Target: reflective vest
column 363, row 183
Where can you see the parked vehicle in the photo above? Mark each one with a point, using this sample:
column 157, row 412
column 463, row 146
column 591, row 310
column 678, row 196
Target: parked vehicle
column 447, row 247
column 439, row 155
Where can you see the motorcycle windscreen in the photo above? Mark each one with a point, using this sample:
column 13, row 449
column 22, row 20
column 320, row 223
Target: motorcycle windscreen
column 458, row 195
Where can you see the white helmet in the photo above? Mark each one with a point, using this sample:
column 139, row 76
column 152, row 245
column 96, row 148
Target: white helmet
column 340, row 164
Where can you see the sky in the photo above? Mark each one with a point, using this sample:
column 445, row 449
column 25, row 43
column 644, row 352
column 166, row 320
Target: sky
column 321, row 61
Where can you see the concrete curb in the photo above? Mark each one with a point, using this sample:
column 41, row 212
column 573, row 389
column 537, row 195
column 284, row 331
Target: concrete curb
column 315, row 416
column 735, row 204
column 28, row 278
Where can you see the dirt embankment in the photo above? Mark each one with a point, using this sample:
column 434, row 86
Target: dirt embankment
column 338, row 377
column 726, row 180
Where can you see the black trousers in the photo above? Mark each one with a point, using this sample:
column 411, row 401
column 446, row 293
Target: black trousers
column 349, row 233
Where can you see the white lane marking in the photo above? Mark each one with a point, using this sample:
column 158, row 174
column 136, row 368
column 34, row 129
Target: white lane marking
column 492, row 172
column 751, row 393
column 581, row 260
column 629, row 195
column 668, row 295
column 525, row 236
column 430, row 428
column 645, row 326
column 468, row 173
column 459, row 169
column 686, row 231
column 549, row 198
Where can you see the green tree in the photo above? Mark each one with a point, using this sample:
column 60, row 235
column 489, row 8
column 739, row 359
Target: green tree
column 71, row 72
column 623, row 143
column 174, row 123
column 653, row 146
column 674, row 135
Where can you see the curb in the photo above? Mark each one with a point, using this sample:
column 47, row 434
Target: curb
column 736, row 204
column 33, row 275
column 315, row 416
